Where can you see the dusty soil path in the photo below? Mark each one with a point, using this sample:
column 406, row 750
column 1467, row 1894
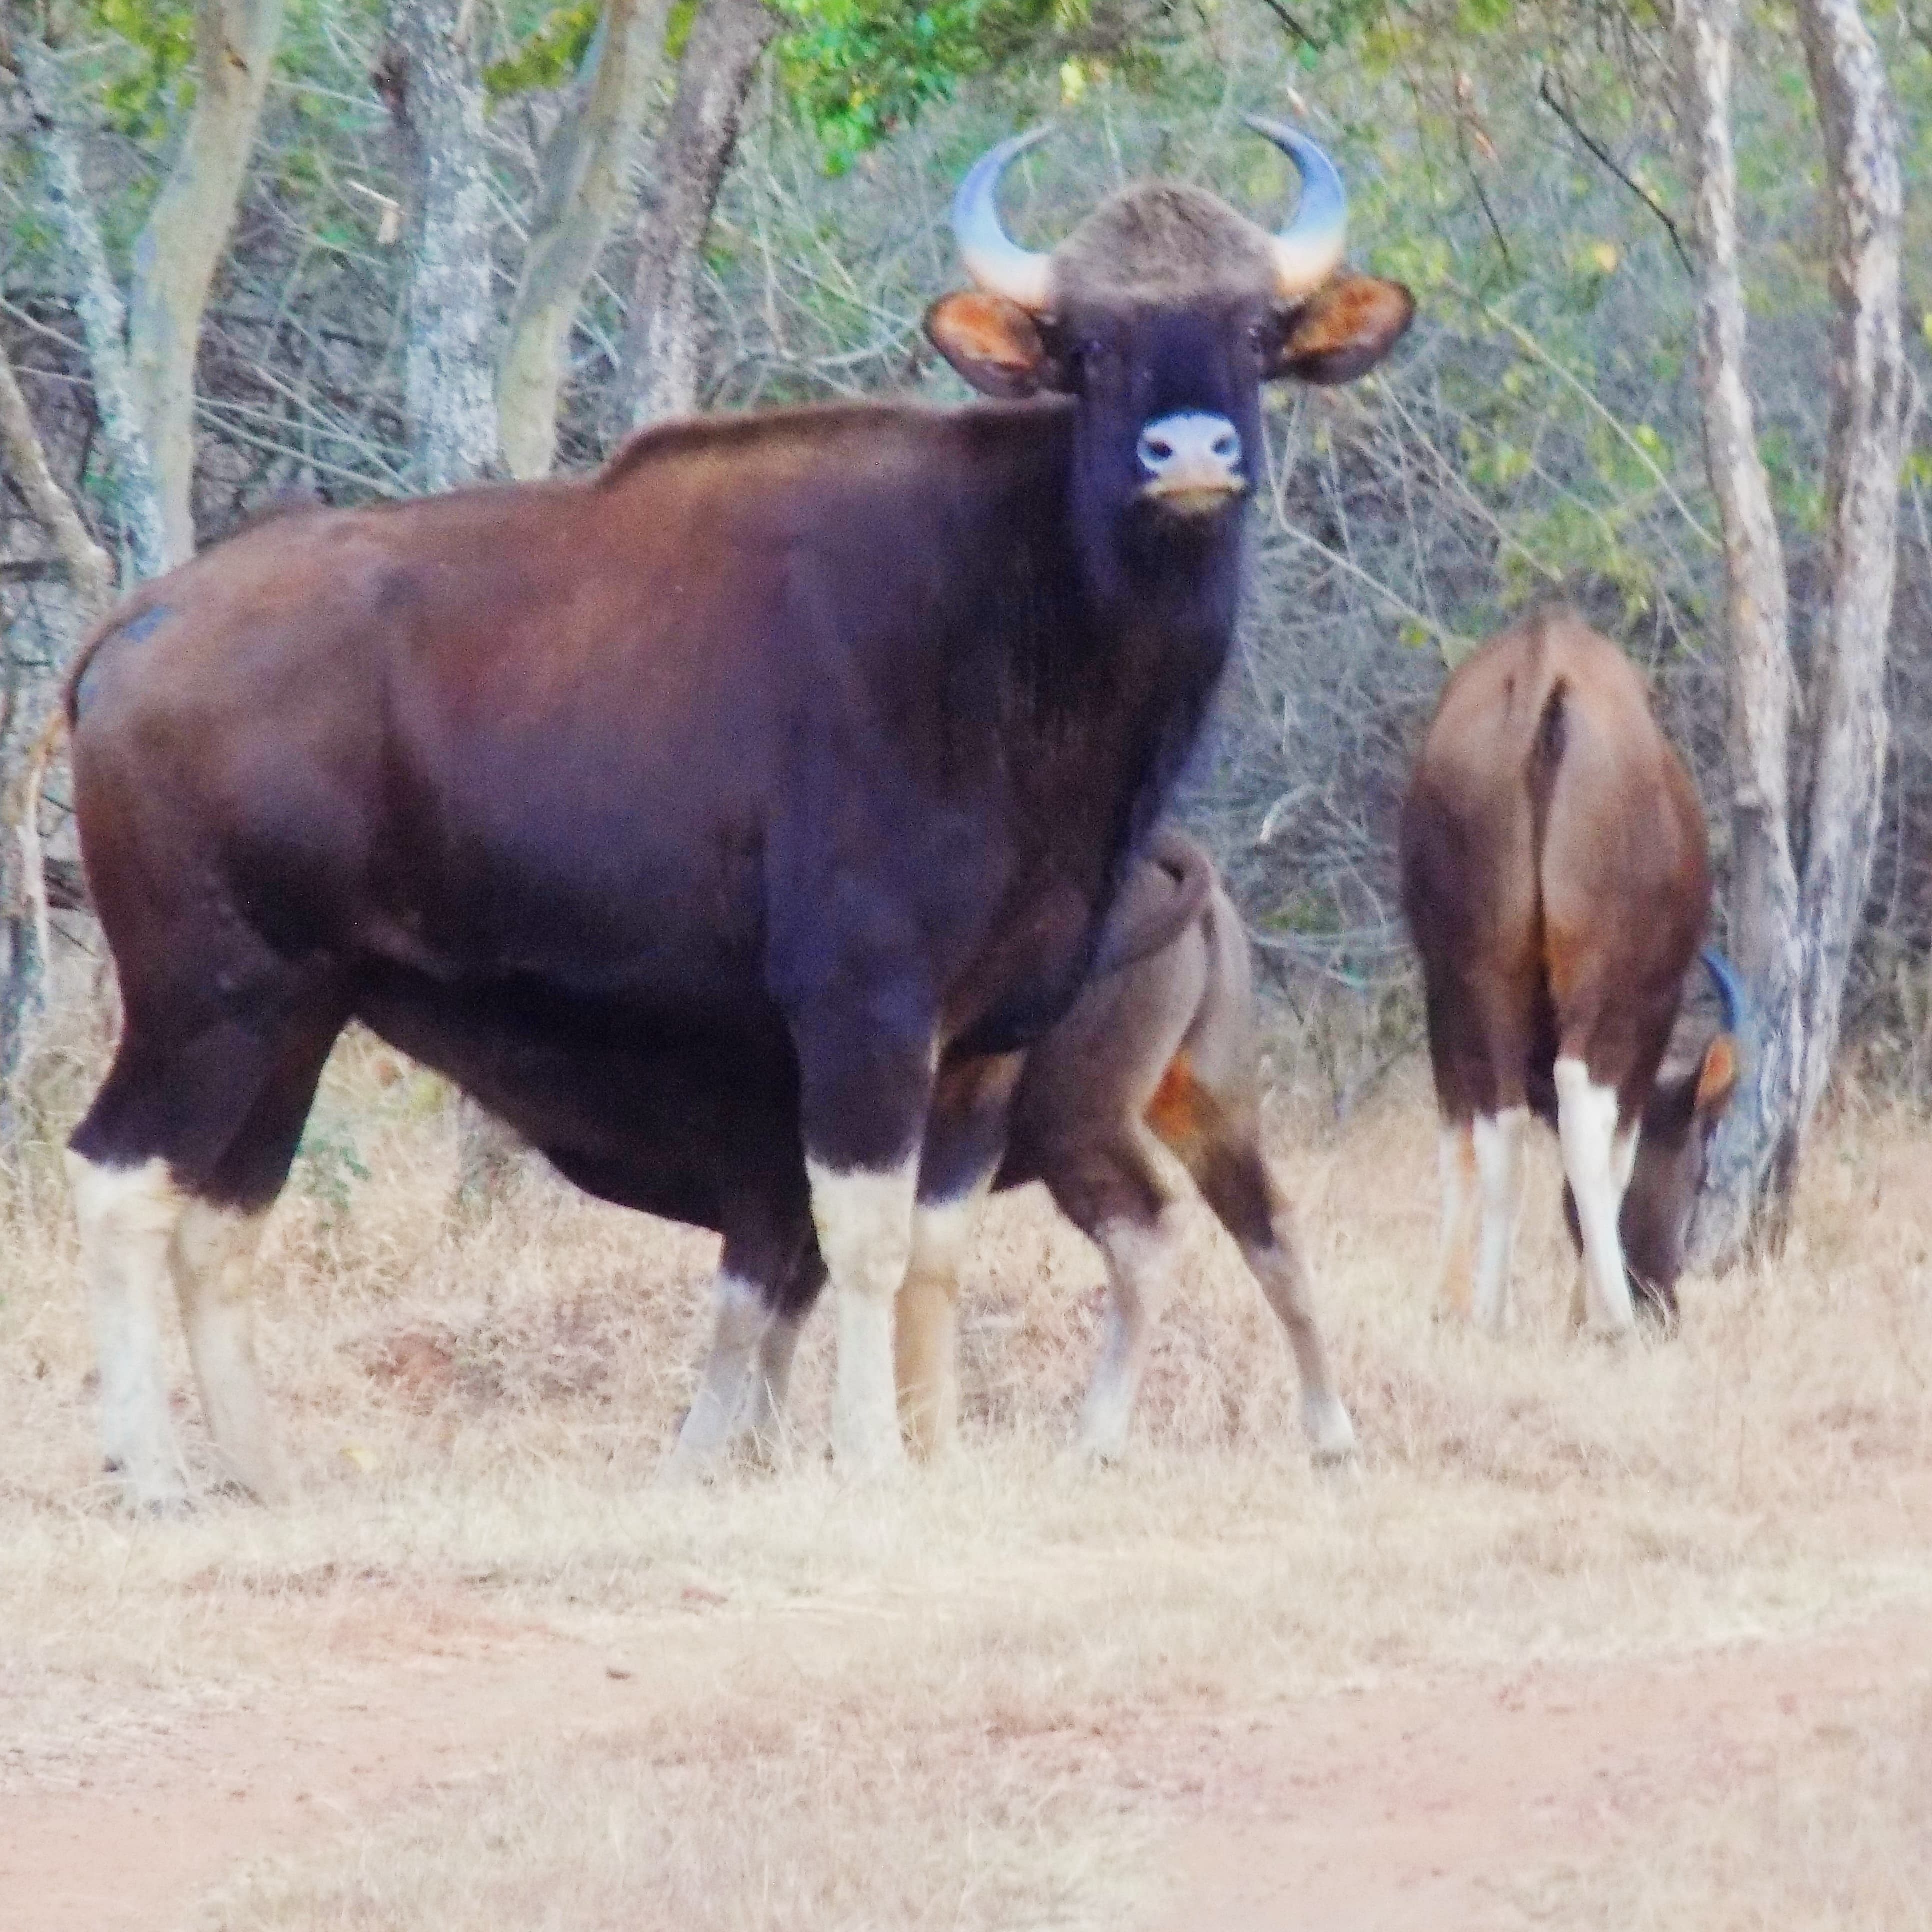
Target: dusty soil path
column 1405, row 1807
column 1440, row 1807
column 133, row 1836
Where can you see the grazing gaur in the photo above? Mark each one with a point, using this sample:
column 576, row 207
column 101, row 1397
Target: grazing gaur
column 1554, row 877
column 708, row 819
column 1159, row 1046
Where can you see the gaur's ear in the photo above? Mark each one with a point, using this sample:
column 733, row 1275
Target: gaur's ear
column 1342, row 331
column 1718, row 1079
column 994, row 343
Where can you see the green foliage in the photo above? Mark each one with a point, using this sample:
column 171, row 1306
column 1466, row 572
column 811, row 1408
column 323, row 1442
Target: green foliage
column 548, row 55
column 858, row 69
column 160, row 40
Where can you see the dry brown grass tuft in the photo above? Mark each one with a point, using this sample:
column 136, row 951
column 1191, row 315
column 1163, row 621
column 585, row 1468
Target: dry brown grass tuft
column 941, row 1702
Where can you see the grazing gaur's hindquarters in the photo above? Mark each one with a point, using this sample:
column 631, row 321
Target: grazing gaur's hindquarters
column 1554, row 878
column 1159, row 1049
column 723, row 822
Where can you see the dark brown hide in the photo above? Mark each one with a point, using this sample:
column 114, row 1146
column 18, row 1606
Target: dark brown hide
column 692, row 816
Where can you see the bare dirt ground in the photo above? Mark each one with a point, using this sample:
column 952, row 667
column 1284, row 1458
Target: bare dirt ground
column 1470, row 1802
column 1590, row 1638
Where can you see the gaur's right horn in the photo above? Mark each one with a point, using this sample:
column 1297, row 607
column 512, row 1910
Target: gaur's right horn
column 996, row 262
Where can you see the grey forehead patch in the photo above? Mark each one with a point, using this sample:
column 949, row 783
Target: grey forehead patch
column 142, row 625
column 1163, row 240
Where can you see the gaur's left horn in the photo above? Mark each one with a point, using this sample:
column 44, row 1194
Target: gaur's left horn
column 995, row 262
column 1731, row 995
column 1308, row 250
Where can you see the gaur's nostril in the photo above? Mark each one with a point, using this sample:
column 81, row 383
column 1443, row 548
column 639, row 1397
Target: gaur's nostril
column 1204, row 449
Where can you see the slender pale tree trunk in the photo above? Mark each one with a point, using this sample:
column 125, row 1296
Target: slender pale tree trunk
column 728, row 38
column 103, row 318
column 431, row 77
column 1764, row 878
column 23, row 897
column 1846, row 701
column 187, row 232
column 586, row 167
column 1799, row 868
column 89, row 568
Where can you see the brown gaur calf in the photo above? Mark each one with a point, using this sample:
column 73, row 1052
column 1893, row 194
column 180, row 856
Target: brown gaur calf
column 1554, row 877
column 1159, row 1049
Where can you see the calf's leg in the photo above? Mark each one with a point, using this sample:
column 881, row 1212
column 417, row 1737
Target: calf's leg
column 965, row 1136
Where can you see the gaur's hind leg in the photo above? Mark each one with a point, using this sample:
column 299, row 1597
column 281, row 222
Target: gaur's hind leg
column 1456, row 1253
column 1598, row 1155
column 173, row 1171
column 1498, row 1139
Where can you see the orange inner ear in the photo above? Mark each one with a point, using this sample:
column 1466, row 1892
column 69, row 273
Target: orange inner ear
column 973, row 327
column 1719, row 1078
column 1352, row 314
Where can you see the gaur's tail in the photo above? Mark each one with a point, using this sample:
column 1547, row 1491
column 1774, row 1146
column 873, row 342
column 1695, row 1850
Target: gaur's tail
column 1139, row 929
column 1546, row 757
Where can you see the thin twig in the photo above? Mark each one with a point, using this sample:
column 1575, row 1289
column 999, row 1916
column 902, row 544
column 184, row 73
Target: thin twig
column 1643, row 194
column 1295, row 29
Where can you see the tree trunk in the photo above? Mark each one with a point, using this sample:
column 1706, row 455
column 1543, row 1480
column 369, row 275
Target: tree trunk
column 727, row 39
column 104, row 320
column 23, row 899
column 431, row 77
column 1846, row 702
column 175, row 257
column 586, row 176
column 89, row 568
column 1792, row 932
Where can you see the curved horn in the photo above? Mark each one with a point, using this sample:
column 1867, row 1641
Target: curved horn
column 1308, row 250
column 1731, row 995
column 995, row 262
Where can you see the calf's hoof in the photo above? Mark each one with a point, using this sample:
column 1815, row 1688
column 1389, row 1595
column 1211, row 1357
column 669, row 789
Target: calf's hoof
column 1331, row 1436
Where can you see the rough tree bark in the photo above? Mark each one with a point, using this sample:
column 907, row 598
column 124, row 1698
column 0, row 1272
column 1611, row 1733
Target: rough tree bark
column 185, row 235
column 23, row 918
column 103, row 318
column 1846, row 701
column 585, row 177
column 1800, row 866
column 431, row 77
column 89, row 568
column 728, row 38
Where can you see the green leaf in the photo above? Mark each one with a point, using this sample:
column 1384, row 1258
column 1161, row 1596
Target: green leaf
column 548, row 57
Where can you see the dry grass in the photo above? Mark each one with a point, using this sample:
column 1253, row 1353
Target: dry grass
column 937, row 1704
